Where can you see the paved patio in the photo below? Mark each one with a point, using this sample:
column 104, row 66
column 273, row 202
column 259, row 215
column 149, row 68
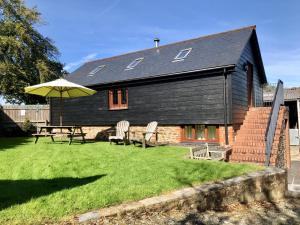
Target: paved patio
column 294, row 172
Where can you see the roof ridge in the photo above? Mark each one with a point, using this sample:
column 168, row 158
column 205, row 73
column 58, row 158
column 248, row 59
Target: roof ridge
column 253, row 27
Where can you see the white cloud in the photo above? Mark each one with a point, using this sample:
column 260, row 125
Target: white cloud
column 283, row 65
column 72, row 65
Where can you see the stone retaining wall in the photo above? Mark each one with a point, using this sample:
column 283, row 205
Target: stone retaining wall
column 269, row 184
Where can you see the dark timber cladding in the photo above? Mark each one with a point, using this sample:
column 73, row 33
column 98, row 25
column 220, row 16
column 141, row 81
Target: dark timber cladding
column 239, row 83
column 189, row 101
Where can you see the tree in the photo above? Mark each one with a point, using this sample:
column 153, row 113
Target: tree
column 26, row 56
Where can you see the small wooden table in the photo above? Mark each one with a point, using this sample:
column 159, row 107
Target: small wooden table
column 69, row 131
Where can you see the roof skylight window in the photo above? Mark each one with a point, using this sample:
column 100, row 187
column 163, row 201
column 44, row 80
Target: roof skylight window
column 182, row 54
column 134, row 63
column 96, row 70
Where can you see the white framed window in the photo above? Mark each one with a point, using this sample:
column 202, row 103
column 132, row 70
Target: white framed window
column 134, row 63
column 96, row 70
column 182, row 54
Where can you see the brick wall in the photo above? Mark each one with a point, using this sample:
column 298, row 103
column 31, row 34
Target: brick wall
column 222, row 139
column 287, row 142
column 283, row 156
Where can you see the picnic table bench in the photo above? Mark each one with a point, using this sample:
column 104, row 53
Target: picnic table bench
column 68, row 131
column 42, row 135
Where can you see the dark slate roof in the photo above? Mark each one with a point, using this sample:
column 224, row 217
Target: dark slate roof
column 211, row 51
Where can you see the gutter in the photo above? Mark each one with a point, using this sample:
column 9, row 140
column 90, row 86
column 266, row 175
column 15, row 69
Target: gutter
column 162, row 75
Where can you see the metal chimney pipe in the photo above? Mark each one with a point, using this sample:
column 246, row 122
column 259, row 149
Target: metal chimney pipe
column 156, row 41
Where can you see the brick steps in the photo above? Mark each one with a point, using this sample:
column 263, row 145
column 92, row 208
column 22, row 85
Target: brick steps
column 260, row 109
column 257, row 158
column 250, row 149
column 252, row 131
column 260, row 116
column 255, row 121
column 249, row 125
column 253, row 137
column 249, row 145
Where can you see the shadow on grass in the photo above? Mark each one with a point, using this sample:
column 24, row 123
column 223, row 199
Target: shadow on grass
column 12, row 142
column 20, row 191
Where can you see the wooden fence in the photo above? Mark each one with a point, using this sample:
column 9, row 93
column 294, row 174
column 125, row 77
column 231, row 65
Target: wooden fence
column 13, row 116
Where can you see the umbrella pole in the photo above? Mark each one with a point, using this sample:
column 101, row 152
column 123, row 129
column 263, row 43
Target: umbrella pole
column 60, row 114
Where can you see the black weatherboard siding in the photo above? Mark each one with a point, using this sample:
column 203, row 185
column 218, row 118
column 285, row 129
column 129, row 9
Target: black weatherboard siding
column 239, row 83
column 189, row 101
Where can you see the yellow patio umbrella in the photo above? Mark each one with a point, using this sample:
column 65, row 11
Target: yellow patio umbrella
column 60, row 88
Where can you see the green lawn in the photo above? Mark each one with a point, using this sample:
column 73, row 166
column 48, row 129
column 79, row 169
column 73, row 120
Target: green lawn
column 53, row 181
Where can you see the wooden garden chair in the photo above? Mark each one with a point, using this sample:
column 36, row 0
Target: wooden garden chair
column 122, row 133
column 203, row 152
column 151, row 130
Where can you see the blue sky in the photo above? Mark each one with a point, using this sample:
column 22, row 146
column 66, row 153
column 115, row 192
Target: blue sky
column 88, row 29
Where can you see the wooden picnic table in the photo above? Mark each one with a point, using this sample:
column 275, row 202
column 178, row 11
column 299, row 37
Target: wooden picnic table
column 69, row 131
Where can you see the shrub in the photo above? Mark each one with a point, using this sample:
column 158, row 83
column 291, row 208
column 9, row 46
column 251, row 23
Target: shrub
column 27, row 126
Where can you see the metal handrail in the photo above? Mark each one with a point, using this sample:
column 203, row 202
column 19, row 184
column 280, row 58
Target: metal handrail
column 272, row 122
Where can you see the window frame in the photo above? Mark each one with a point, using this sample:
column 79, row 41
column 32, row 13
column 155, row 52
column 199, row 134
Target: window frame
column 177, row 58
column 134, row 63
column 119, row 105
column 194, row 138
column 95, row 70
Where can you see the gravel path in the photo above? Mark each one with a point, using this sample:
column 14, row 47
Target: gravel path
column 286, row 211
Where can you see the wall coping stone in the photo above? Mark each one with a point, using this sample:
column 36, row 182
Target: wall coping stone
column 202, row 192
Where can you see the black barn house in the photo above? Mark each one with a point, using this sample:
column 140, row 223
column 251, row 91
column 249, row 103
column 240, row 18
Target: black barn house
column 198, row 90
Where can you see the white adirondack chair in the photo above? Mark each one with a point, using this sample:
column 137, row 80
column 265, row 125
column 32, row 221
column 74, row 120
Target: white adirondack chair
column 151, row 129
column 122, row 133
